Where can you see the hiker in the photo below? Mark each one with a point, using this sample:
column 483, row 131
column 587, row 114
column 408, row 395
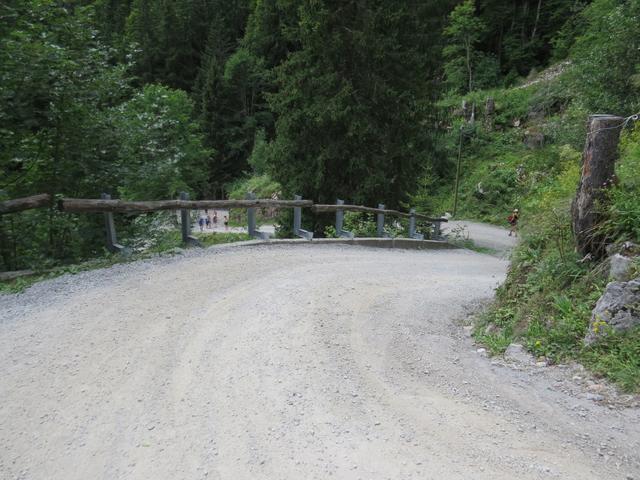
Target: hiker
column 208, row 221
column 226, row 222
column 513, row 221
column 201, row 223
column 215, row 217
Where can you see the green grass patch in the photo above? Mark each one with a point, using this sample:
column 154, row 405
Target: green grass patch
column 617, row 357
column 164, row 241
column 217, row 238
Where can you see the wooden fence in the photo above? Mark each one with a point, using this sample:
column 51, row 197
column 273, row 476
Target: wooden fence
column 108, row 207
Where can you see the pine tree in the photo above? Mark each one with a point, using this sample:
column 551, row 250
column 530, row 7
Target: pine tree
column 352, row 103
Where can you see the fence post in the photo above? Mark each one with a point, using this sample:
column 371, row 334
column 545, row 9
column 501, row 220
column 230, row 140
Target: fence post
column 340, row 222
column 185, row 224
column 251, row 216
column 412, row 223
column 297, row 217
column 412, row 226
column 437, row 232
column 297, row 222
column 185, row 221
column 339, row 217
column 380, row 222
column 110, row 228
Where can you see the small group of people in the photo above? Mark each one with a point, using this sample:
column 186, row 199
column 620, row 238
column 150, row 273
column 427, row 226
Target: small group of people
column 210, row 221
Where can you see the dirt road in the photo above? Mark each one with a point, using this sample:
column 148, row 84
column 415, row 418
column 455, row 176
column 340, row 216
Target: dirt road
column 286, row 362
column 483, row 235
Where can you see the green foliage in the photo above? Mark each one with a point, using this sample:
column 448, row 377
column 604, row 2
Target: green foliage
column 466, row 68
column 217, row 238
column 71, row 125
column 350, row 112
column 161, row 151
column 623, row 208
column 607, row 57
column 549, row 294
column 262, row 186
column 617, row 357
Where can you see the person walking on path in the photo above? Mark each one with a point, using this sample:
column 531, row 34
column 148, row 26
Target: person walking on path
column 513, row 221
column 226, row 222
column 201, row 223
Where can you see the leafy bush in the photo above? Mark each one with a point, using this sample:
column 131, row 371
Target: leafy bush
column 623, row 210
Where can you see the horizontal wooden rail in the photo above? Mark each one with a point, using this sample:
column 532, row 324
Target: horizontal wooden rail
column 84, row 205
column 319, row 208
column 90, row 205
column 25, row 203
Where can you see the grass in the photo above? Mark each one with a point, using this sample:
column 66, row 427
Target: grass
column 550, row 291
column 164, row 242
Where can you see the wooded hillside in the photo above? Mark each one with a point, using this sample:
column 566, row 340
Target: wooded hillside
column 142, row 99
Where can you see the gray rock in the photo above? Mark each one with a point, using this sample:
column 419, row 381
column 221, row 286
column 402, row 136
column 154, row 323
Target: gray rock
column 620, row 268
column 533, row 139
column 516, row 353
column 618, row 309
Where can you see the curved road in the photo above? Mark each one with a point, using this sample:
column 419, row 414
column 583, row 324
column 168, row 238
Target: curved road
column 286, row 362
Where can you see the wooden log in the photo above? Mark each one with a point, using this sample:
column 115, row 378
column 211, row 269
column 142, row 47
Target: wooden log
column 322, row 208
column 598, row 168
column 82, row 205
column 25, row 203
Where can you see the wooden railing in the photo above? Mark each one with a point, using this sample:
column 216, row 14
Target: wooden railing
column 109, row 206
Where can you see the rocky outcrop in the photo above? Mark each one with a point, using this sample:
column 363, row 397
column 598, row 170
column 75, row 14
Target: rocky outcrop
column 620, row 268
column 618, row 310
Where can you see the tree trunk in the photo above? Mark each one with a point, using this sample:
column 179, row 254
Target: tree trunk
column 489, row 110
column 468, row 48
column 535, row 25
column 598, row 167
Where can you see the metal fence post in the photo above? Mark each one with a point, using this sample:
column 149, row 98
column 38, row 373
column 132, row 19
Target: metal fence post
column 297, row 222
column 185, row 224
column 339, row 217
column 340, row 232
column 251, row 216
column 412, row 222
column 380, row 223
column 297, row 217
column 110, row 228
column 437, row 232
column 412, row 226
column 185, row 221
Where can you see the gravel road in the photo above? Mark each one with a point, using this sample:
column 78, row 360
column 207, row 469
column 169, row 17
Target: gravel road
column 483, row 235
column 288, row 362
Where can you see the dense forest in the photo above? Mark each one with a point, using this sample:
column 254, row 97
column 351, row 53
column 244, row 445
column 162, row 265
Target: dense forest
column 352, row 99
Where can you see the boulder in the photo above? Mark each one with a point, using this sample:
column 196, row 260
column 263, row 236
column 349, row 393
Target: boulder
column 620, row 268
column 533, row 139
column 617, row 310
column 628, row 249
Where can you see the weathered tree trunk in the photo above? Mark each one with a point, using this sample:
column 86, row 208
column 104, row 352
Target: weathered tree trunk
column 598, row 167
column 489, row 110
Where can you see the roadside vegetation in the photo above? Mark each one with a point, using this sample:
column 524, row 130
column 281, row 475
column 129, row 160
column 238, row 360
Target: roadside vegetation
column 528, row 157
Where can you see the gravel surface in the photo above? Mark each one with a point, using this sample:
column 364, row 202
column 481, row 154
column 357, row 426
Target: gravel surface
column 483, row 235
column 290, row 362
